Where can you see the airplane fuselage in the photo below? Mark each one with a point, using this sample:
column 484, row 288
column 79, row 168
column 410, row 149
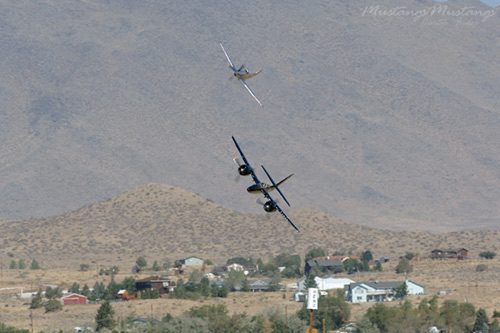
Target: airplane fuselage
column 256, row 188
column 245, row 75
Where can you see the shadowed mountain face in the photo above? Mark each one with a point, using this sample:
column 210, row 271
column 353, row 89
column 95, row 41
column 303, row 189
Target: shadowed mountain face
column 388, row 114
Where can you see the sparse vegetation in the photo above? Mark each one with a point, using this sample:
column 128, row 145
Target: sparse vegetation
column 404, row 266
column 487, row 254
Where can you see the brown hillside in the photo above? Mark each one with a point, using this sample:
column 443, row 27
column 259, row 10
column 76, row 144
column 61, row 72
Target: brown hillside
column 163, row 222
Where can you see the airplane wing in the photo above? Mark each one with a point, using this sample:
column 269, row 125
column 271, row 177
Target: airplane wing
column 228, row 59
column 266, row 194
column 254, row 175
column 250, row 90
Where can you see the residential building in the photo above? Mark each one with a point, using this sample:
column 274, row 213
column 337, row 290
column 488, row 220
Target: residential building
column 191, row 261
column 379, row 291
column 74, row 299
column 330, row 263
column 450, row 254
column 164, row 286
column 326, row 283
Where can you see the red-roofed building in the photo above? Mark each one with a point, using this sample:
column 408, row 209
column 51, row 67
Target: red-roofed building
column 74, row 299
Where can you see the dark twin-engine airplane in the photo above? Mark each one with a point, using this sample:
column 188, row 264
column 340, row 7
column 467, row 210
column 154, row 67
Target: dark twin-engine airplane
column 245, row 169
column 242, row 74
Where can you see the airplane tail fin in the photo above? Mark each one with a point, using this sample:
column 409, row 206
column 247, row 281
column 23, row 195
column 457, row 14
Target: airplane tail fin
column 276, row 185
column 254, row 74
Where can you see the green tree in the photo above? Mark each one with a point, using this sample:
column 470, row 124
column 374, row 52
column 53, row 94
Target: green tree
column 141, row 262
column 75, row 288
column 52, row 293
column 332, row 309
column 351, row 265
column 205, row 287
column 156, row 267
column 53, row 305
column 128, row 284
column 36, row 302
column 401, row 291
column 367, row 256
column 366, row 326
column 487, row 254
column 34, row 264
column 495, row 325
column 404, row 266
column 104, row 317
column 481, row 320
column 235, row 279
column 238, row 260
column 314, row 253
column 310, row 282
column 13, row 264
column 112, row 289
column 86, row 291
column 378, row 267
column 21, row 264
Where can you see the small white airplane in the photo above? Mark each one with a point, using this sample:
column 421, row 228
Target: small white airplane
column 242, row 74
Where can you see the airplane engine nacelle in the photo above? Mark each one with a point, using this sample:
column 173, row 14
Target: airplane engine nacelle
column 269, row 206
column 244, row 170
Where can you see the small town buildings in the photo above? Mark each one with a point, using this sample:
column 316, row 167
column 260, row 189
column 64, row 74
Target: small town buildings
column 379, row 291
column 74, row 299
column 299, row 296
column 335, row 264
column 235, row 267
column 191, row 262
column 449, row 254
column 328, row 283
column 125, row 296
column 164, row 286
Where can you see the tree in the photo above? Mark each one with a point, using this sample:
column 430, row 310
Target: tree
column 86, row 291
column 53, row 305
column 310, row 282
column 402, row 291
column 128, row 284
column 156, row 267
column 13, row 264
column 104, row 317
column 367, row 256
column 141, row 262
column 351, row 265
column 52, row 293
column 75, row 288
column 314, row 253
column 332, row 309
column 487, row 254
column 366, row 326
column 495, row 325
column 21, row 264
column 36, row 302
column 34, row 264
column 481, row 320
column 378, row 267
column 404, row 266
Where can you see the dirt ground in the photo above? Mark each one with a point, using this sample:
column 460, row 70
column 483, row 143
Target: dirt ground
column 482, row 289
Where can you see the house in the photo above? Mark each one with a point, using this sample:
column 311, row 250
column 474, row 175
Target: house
column 191, row 261
column 349, row 327
column 164, row 286
column 326, row 283
column 449, row 254
column 379, row 291
column 299, row 296
column 74, row 299
column 333, row 264
column 261, row 285
column 235, row 267
column 125, row 296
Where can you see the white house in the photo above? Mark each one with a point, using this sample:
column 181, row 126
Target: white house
column 379, row 291
column 235, row 267
column 191, row 261
column 326, row 283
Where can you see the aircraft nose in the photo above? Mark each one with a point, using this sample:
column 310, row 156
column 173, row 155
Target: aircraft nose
column 253, row 188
